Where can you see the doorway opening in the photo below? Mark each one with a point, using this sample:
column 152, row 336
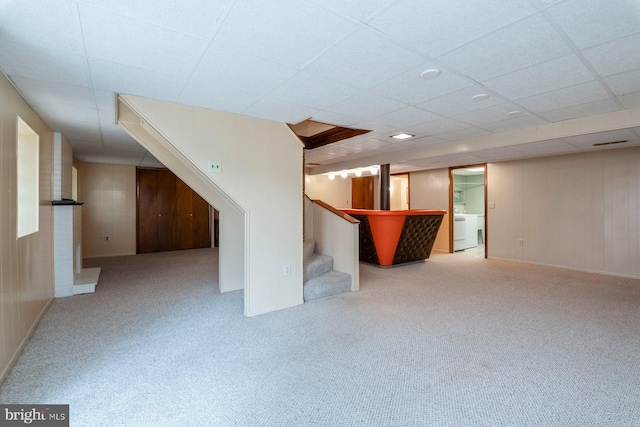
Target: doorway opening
column 467, row 202
column 400, row 192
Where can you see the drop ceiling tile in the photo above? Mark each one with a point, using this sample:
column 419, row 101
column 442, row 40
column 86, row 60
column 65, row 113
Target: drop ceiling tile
column 150, row 161
column 421, row 25
column 541, row 78
column 197, row 17
column 227, row 69
column 90, row 156
column 366, row 106
column 51, row 25
column 105, row 99
column 461, row 134
column 566, row 97
column 47, row 94
column 589, row 23
column 375, row 128
column 615, row 57
column 411, row 88
column 121, row 138
column 364, row 59
column 491, row 114
column 290, row 32
column 418, row 142
column 631, row 100
column 624, row 83
column 124, row 159
column 523, row 121
column 583, row 110
column 316, row 92
column 217, row 98
column 439, row 126
column 336, row 119
column 123, row 40
column 91, row 138
column 522, row 44
column 73, row 116
column 279, row 111
column 21, row 60
column 407, row 117
column 357, row 9
column 461, row 101
column 135, row 81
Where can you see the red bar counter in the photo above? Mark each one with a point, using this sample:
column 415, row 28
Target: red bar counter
column 396, row 237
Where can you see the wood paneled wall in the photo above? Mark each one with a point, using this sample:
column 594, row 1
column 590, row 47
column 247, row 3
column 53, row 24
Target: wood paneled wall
column 26, row 264
column 579, row 211
column 109, row 196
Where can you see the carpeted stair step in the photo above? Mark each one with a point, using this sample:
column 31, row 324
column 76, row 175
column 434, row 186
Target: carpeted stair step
column 317, row 265
column 308, row 249
column 331, row 283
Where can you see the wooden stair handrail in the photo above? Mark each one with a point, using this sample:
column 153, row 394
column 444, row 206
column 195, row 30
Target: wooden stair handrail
column 341, row 214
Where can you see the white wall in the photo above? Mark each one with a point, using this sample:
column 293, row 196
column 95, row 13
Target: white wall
column 336, row 193
column 109, row 196
column 63, row 161
column 578, row 211
column 26, row 264
column 259, row 187
column 430, row 190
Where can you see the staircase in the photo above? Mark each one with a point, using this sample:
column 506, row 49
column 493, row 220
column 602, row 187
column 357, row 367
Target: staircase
column 320, row 279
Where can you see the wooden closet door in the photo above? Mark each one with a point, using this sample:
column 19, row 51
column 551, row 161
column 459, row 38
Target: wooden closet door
column 184, row 215
column 171, row 215
column 147, row 235
column 362, row 192
column 167, row 215
column 201, row 231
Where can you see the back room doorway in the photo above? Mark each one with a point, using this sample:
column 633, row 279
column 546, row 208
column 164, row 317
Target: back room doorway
column 467, row 202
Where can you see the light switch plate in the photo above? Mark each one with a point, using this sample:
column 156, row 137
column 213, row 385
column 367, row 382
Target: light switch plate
column 215, row 166
column 492, row 205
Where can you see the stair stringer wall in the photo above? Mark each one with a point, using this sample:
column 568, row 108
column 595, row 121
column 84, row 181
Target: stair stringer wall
column 258, row 192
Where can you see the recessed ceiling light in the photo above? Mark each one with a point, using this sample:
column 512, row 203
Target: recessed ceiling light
column 344, row 174
column 514, row 113
column 402, row 136
column 431, row 73
column 374, row 170
column 480, row 97
column 332, row 176
column 358, row 172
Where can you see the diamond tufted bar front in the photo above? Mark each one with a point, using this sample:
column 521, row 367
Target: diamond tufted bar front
column 396, row 237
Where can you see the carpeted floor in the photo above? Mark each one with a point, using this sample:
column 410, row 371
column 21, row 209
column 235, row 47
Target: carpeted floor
column 455, row 341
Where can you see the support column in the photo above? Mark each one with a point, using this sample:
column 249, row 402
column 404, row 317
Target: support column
column 385, row 183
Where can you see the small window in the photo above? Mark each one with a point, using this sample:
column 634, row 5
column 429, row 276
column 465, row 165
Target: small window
column 28, row 182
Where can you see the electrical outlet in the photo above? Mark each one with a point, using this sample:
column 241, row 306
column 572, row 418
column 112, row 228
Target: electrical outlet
column 215, row 166
column 106, row 238
column 520, row 242
column 286, row 271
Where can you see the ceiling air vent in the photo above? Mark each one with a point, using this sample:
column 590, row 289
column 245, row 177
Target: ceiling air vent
column 600, row 144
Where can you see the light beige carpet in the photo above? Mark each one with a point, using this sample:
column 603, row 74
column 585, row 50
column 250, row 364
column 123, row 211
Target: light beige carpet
column 455, row 341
